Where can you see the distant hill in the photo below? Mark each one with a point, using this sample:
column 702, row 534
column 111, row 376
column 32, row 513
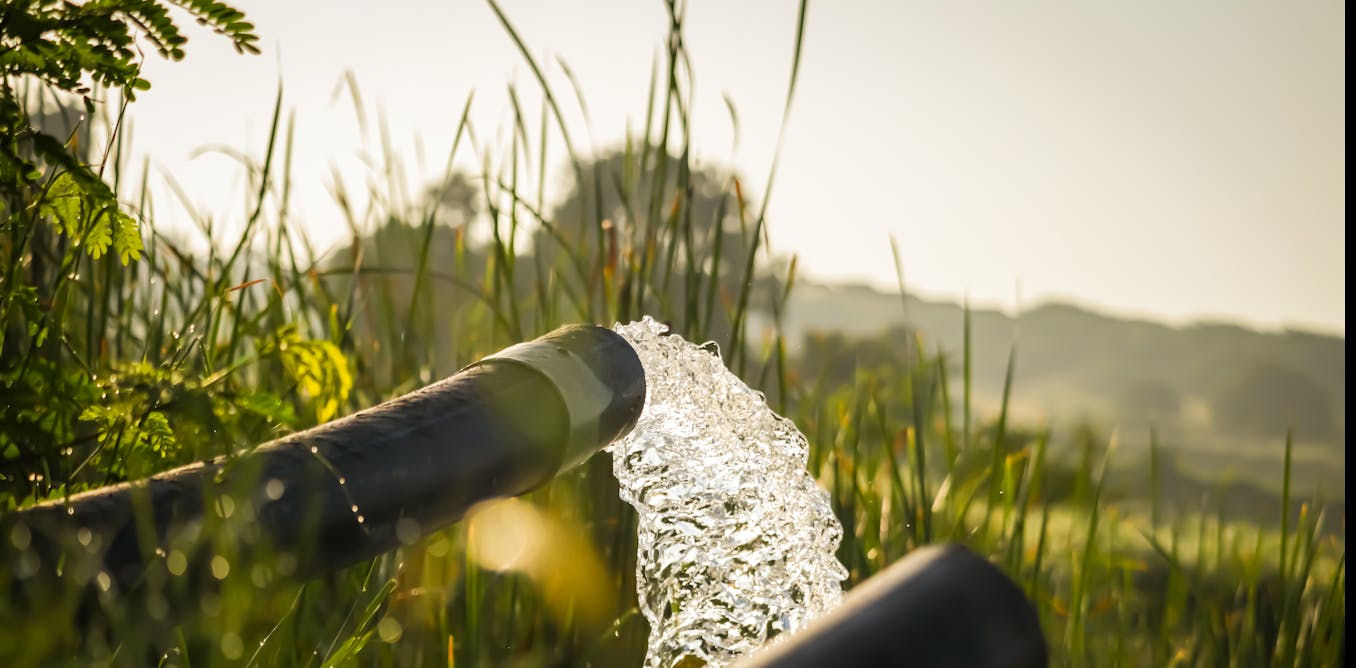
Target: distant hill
column 1224, row 393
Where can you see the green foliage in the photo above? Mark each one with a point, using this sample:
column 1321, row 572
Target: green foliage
column 79, row 407
column 318, row 368
column 70, row 47
column 95, row 225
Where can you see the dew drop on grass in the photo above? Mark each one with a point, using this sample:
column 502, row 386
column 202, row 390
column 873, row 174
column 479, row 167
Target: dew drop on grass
column 274, row 489
column 221, row 567
column 231, row 646
column 736, row 541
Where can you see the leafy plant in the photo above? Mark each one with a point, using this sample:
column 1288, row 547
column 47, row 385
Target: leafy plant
column 72, row 47
column 61, row 219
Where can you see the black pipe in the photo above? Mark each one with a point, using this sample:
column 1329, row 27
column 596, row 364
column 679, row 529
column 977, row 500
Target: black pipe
column 361, row 485
column 939, row 606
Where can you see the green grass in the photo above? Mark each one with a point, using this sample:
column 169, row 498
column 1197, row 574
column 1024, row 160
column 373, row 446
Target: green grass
column 182, row 356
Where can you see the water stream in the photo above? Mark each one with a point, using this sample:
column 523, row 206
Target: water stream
column 736, row 541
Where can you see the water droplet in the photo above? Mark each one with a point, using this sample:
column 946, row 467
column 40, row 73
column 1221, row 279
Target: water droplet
column 231, row 646
column 176, row 562
column 221, row 567
column 225, row 507
column 274, row 489
column 20, row 536
column 389, row 630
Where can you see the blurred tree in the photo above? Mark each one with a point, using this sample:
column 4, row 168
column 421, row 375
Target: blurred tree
column 1265, row 398
column 413, row 279
column 687, row 227
column 630, row 237
column 834, row 360
column 1153, row 401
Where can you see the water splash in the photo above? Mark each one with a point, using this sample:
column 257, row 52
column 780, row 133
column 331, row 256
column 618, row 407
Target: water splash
column 736, row 541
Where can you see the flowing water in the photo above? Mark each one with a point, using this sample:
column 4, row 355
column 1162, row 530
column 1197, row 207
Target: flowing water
column 736, row 541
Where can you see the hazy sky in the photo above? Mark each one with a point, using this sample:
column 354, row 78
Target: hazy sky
column 1177, row 160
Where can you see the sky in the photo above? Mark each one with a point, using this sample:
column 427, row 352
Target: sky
column 1179, row 161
